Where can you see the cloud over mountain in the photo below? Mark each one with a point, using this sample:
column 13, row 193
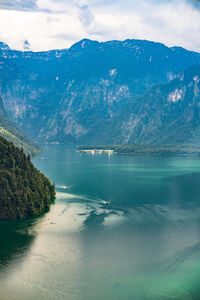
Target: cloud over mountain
column 49, row 24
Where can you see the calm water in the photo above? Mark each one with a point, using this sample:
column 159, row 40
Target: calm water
column 144, row 245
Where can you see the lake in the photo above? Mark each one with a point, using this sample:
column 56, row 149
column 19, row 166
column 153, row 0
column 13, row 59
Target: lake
column 144, row 245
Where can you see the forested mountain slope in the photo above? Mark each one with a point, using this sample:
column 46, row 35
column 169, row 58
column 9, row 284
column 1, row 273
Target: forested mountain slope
column 24, row 191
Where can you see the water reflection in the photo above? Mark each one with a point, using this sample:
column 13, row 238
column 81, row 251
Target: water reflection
column 16, row 239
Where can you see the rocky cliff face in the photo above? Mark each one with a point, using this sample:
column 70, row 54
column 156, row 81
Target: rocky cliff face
column 74, row 95
column 167, row 113
column 2, row 108
column 10, row 132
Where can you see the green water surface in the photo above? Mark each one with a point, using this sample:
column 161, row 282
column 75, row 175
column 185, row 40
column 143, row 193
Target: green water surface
column 144, row 245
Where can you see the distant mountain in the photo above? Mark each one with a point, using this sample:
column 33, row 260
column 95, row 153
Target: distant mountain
column 38, row 62
column 9, row 131
column 167, row 113
column 71, row 95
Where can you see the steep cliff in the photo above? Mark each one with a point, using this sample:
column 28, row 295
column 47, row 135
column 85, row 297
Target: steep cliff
column 9, row 131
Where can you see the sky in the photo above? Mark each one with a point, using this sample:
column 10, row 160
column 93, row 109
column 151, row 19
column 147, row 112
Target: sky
column 55, row 24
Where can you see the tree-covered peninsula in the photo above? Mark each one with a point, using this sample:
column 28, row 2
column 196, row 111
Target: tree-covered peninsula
column 24, row 191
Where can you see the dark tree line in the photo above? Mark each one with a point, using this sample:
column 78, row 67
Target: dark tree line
column 24, row 191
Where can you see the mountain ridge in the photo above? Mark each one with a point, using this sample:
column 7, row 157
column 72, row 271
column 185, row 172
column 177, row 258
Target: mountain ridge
column 69, row 98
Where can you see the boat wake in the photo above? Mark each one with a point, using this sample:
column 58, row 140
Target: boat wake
column 61, row 195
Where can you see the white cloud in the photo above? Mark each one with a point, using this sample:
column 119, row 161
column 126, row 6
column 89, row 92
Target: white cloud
column 50, row 24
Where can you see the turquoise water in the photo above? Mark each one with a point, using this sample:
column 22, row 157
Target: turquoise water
column 144, row 245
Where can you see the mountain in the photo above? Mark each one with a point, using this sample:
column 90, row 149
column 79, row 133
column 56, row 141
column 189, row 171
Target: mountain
column 167, row 113
column 38, row 62
column 71, row 95
column 9, row 131
column 24, row 191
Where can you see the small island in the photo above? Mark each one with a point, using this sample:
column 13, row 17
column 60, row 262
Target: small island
column 170, row 149
column 24, row 191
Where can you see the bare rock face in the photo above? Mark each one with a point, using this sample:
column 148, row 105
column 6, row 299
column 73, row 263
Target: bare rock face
column 168, row 113
column 9, row 131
